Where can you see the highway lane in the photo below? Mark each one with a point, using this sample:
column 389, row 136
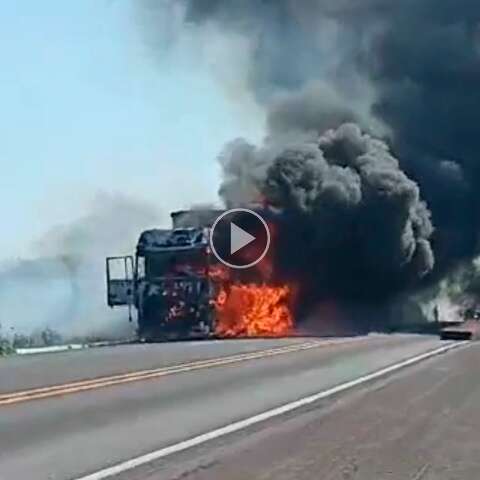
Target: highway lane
column 77, row 386
column 22, row 372
column 422, row 423
column 67, row 437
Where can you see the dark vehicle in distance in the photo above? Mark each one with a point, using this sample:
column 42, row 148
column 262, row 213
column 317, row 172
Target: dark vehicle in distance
column 466, row 329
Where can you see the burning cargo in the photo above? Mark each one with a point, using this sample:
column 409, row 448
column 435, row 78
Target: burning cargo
column 180, row 289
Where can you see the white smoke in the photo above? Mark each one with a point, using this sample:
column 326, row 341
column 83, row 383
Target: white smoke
column 63, row 288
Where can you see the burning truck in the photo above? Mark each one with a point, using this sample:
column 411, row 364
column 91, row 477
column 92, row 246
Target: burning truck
column 180, row 290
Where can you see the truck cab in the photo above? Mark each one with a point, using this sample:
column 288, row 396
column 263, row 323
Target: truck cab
column 167, row 282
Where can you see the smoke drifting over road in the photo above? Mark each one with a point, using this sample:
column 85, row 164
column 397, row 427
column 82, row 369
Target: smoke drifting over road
column 63, row 285
column 375, row 217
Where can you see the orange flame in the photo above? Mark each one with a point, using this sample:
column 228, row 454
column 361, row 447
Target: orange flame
column 253, row 311
column 249, row 309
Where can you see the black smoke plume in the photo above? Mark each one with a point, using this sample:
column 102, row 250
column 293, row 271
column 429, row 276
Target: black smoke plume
column 366, row 218
column 353, row 224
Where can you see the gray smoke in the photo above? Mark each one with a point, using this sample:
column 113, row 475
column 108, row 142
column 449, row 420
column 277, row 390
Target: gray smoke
column 353, row 224
column 63, row 285
column 407, row 72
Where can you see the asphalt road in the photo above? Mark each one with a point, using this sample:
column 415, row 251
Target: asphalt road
column 396, row 427
column 30, row 371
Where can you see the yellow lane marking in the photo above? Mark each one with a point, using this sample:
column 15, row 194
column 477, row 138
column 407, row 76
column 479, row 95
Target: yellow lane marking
column 100, row 382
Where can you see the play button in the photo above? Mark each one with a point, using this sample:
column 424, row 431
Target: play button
column 240, row 238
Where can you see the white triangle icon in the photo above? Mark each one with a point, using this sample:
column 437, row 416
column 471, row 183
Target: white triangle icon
column 239, row 238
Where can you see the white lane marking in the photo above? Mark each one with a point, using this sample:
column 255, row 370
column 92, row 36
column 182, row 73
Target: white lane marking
column 242, row 424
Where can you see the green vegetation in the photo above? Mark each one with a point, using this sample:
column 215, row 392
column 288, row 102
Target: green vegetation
column 10, row 342
column 5, row 346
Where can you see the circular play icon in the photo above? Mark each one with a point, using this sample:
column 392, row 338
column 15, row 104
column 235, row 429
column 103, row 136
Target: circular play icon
column 240, row 238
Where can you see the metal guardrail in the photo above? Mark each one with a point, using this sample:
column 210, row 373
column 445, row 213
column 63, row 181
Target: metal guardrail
column 68, row 347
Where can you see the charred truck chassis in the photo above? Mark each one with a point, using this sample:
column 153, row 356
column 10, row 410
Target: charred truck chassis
column 168, row 281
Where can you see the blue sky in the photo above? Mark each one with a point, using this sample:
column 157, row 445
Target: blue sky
column 85, row 107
